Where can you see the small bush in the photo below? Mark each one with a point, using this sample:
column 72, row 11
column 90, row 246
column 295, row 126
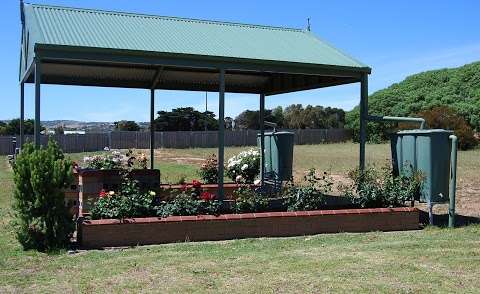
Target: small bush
column 42, row 220
column 380, row 188
column 443, row 117
column 128, row 201
column 209, row 170
column 247, row 200
column 244, row 167
column 308, row 196
column 191, row 201
column 187, row 203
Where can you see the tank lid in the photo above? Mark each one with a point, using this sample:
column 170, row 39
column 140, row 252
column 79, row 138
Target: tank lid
column 425, row 131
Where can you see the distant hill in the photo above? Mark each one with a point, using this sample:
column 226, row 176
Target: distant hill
column 458, row 88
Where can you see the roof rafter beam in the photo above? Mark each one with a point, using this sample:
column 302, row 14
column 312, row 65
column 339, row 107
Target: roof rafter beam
column 156, row 78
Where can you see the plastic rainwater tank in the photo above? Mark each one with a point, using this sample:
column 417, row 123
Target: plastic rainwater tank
column 278, row 154
column 427, row 152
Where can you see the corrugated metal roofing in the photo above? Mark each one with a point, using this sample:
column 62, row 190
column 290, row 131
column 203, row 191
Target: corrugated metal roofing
column 54, row 25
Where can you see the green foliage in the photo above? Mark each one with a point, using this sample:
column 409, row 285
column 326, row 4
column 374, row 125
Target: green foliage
column 126, row 125
column 42, row 220
column 187, row 203
column 247, row 200
column 309, row 196
column 443, row 117
column 185, row 119
column 380, row 188
column 294, row 116
column 129, row 201
column 459, row 88
column 13, row 127
column 209, row 170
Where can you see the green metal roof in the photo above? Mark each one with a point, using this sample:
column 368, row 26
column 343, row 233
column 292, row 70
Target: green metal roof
column 110, row 33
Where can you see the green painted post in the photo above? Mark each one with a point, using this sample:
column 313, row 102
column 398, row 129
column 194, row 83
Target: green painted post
column 221, row 134
column 262, row 136
column 152, row 129
column 453, row 181
column 363, row 118
column 22, row 114
column 38, row 76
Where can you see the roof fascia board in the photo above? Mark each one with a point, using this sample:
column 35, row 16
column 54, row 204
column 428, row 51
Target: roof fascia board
column 106, row 55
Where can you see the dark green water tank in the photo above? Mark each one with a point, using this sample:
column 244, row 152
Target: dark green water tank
column 278, row 154
column 428, row 152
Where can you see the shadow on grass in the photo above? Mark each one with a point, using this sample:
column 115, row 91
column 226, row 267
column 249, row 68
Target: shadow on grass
column 441, row 220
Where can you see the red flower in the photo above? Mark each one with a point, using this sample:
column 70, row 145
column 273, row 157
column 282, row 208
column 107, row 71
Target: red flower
column 196, row 184
column 207, row 196
column 102, row 193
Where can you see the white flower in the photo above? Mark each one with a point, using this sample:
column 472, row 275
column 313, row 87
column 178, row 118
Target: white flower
column 87, row 159
column 111, row 193
column 244, row 166
column 116, row 153
column 152, row 193
column 257, row 182
column 238, row 179
column 106, row 148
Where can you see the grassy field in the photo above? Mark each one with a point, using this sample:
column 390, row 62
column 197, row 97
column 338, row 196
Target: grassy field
column 430, row 260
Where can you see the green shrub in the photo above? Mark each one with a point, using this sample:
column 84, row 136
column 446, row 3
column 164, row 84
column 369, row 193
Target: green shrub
column 308, row 196
column 128, row 201
column 42, row 221
column 187, row 203
column 380, row 188
column 443, row 117
column 209, row 170
column 247, row 200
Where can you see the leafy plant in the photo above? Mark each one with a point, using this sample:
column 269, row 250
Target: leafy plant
column 129, row 201
column 444, row 117
column 311, row 194
column 247, row 200
column 456, row 87
column 186, row 203
column 375, row 188
column 244, row 167
column 41, row 174
column 209, row 170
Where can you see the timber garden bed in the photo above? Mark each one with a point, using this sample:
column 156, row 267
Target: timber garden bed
column 155, row 230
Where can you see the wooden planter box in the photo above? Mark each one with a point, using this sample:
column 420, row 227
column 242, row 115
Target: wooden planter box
column 155, row 230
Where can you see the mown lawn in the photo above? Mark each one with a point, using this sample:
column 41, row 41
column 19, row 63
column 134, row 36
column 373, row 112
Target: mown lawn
column 430, row 260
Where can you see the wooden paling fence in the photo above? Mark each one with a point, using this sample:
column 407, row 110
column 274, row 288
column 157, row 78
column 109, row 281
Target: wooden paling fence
column 181, row 139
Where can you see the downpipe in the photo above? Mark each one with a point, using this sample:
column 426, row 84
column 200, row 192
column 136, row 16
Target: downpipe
column 453, row 180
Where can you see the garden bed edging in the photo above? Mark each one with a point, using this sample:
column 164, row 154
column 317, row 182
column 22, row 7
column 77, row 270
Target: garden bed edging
column 156, row 230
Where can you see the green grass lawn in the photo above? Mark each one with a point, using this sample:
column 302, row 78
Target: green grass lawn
column 430, row 260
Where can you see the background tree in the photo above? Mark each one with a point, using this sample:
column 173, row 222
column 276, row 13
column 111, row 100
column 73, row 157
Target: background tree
column 59, row 130
column 126, row 125
column 229, row 123
column 459, row 88
column 185, row 119
column 443, row 117
column 13, row 127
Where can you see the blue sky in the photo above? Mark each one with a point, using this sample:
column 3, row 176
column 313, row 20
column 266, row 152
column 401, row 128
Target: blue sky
column 395, row 38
